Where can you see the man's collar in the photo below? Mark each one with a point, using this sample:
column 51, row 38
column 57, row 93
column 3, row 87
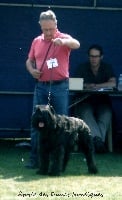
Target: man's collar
column 57, row 33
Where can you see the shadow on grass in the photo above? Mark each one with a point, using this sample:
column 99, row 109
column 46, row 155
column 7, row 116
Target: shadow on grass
column 13, row 159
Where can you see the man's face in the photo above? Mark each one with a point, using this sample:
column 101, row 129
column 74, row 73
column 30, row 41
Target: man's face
column 48, row 27
column 95, row 57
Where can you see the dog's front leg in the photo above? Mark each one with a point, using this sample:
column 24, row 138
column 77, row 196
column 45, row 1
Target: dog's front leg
column 57, row 160
column 44, row 160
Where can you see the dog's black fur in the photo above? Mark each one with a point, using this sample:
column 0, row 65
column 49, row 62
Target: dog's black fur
column 58, row 134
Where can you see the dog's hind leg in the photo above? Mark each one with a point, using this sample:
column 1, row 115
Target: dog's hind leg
column 86, row 143
column 66, row 158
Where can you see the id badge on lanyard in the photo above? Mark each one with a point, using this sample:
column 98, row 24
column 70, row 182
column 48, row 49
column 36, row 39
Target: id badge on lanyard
column 52, row 62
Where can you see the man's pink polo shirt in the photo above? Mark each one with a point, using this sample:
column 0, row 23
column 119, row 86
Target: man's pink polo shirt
column 58, row 54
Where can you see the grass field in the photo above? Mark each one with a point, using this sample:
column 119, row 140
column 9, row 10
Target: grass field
column 17, row 182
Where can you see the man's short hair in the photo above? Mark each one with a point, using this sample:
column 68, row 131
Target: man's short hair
column 97, row 47
column 48, row 15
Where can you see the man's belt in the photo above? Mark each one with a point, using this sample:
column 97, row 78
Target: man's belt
column 54, row 82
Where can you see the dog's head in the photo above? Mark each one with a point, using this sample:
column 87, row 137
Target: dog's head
column 43, row 117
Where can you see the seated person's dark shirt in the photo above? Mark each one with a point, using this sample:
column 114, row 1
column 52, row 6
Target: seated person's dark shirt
column 105, row 72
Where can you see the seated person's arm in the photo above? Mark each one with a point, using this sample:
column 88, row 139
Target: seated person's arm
column 110, row 83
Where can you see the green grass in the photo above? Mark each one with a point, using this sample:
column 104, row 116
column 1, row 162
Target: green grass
column 17, row 182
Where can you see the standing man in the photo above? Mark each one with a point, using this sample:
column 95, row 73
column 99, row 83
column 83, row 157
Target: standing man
column 96, row 110
column 48, row 63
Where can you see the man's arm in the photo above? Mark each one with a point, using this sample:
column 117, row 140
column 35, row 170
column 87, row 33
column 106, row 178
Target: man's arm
column 30, row 65
column 110, row 83
column 69, row 42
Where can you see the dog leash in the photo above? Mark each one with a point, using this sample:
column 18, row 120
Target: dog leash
column 42, row 66
column 49, row 93
column 49, row 97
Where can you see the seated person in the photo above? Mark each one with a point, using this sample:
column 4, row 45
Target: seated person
column 96, row 110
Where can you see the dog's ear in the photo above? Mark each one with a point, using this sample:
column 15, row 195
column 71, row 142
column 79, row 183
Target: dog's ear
column 37, row 107
column 51, row 109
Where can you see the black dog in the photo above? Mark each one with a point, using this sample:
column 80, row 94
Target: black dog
column 58, row 134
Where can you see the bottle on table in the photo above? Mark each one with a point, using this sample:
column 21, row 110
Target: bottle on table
column 120, row 82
